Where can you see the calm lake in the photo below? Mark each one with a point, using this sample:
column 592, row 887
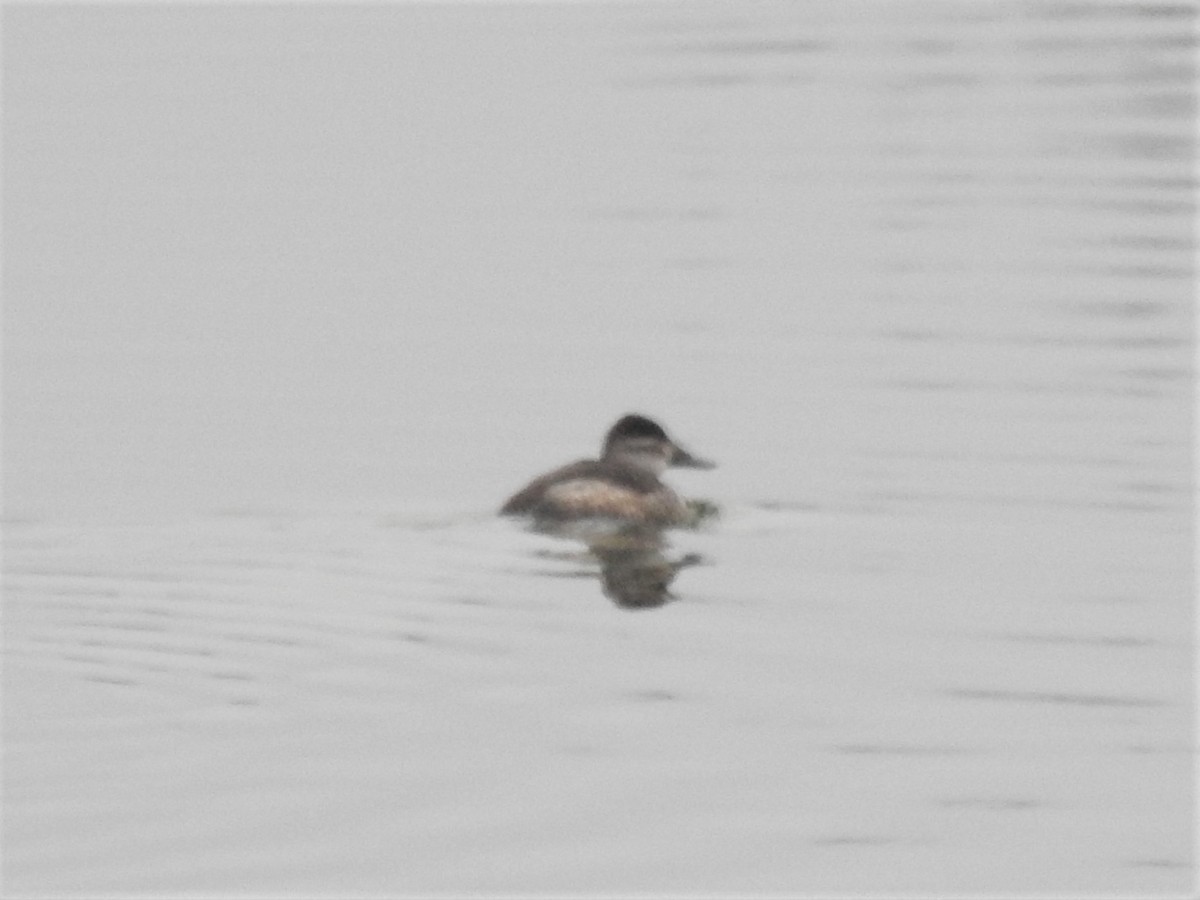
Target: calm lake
column 295, row 295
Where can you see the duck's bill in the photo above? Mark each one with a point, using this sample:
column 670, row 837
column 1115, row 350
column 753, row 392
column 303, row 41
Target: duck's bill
column 685, row 460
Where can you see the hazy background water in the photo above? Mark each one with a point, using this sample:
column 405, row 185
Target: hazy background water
column 295, row 295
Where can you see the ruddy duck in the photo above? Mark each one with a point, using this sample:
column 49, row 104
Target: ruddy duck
column 622, row 487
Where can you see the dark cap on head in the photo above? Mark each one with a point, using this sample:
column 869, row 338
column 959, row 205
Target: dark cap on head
column 633, row 425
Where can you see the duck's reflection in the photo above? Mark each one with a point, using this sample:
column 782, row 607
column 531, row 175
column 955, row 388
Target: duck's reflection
column 636, row 571
column 639, row 577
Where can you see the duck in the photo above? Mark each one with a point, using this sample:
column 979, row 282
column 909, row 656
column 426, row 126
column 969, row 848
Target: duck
column 622, row 489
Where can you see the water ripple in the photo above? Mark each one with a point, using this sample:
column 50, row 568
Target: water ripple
column 1056, row 698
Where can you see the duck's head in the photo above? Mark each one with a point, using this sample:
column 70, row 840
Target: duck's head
column 642, row 442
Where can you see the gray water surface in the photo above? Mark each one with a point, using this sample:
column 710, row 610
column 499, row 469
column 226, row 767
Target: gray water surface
column 296, row 295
